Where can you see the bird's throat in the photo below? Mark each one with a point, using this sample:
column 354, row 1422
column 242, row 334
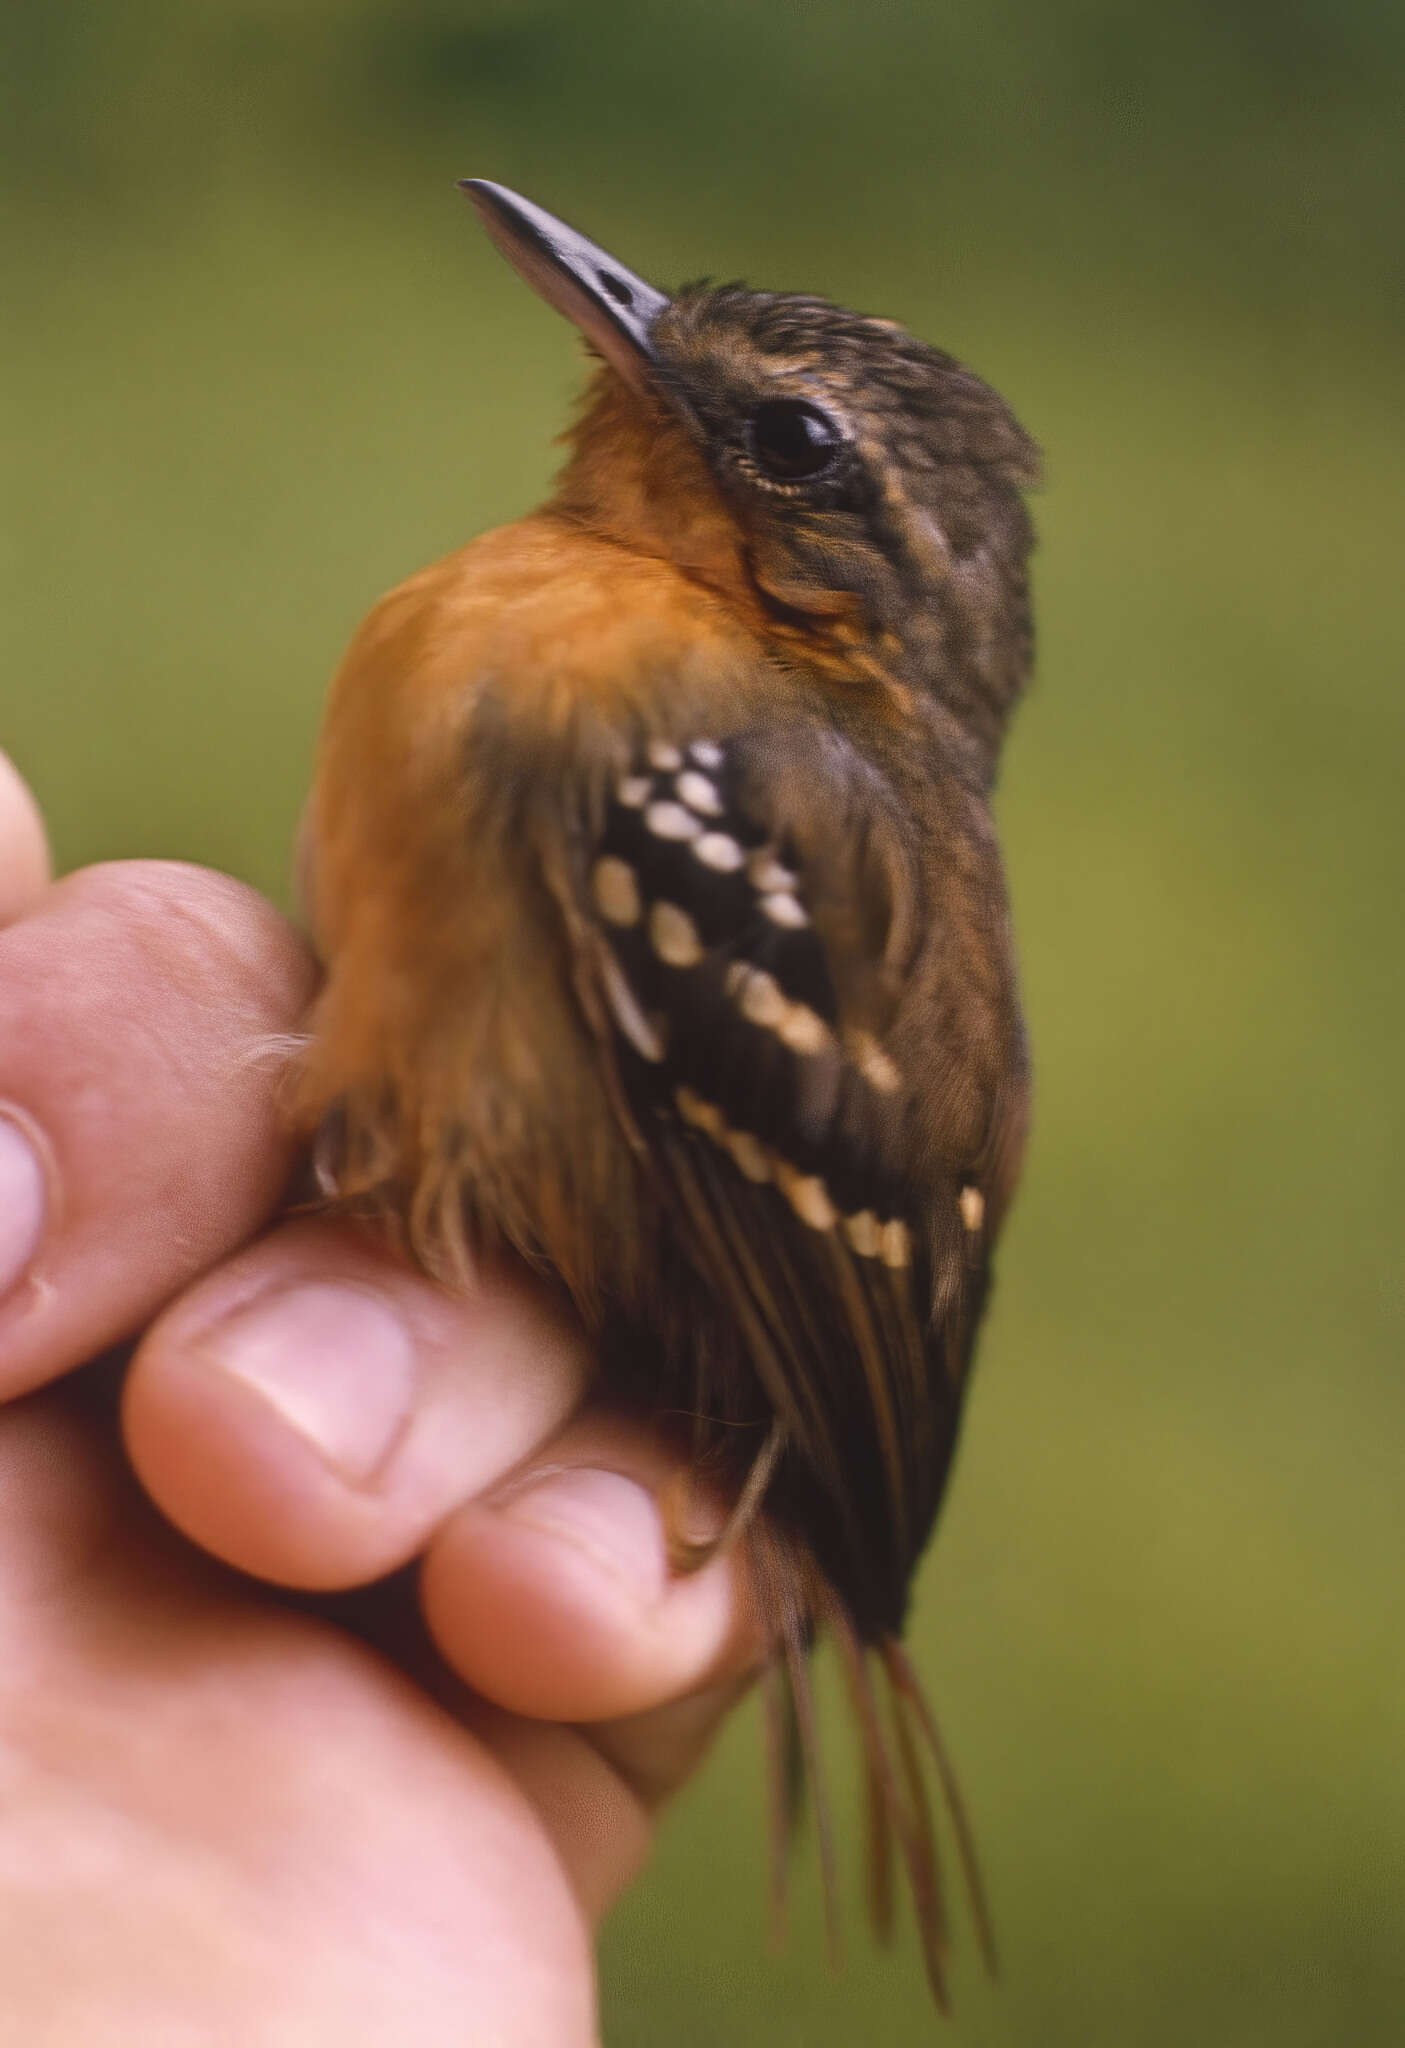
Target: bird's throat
column 635, row 475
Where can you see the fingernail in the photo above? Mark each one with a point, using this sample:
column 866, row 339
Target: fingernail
column 22, row 1202
column 614, row 1520
column 335, row 1362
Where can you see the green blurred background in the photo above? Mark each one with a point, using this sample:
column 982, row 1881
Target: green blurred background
column 258, row 363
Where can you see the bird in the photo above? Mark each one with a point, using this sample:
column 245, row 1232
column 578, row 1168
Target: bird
column 666, row 946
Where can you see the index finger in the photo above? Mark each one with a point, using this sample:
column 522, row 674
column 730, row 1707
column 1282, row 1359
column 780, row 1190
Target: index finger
column 140, row 1133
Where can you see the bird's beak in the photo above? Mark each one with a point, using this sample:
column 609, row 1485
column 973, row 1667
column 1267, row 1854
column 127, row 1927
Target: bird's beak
column 614, row 309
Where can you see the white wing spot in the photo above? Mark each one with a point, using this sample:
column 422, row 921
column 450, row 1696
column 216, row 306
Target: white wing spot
column 663, row 754
column 807, row 1196
column 877, row 1068
column 698, row 793
column 628, row 1015
column 803, row 1030
column 768, row 874
column 671, row 821
column 615, row 890
column 760, row 999
column 784, row 910
column 706, row 753
column 806, row 1192
column 704, row 1116
column 718, row 851
column 862, row 1233
column 971, row 1203
column 634, row 791
column 895, row 1244
column 674, row 936
column 749, row 1154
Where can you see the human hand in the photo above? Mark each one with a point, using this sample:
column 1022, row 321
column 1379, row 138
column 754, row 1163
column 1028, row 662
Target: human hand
column 229, row 1816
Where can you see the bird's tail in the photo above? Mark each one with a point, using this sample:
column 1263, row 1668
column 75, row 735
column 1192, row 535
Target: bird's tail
column 902, row 1753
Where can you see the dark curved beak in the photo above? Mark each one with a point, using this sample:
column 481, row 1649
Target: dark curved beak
column 614, row 309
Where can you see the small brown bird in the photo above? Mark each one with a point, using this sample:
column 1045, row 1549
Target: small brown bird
column 667, row 947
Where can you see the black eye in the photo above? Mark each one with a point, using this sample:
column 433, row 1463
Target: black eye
column 792, row 439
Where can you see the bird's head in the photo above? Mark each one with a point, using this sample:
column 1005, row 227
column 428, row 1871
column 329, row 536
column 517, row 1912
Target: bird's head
column 857, row 489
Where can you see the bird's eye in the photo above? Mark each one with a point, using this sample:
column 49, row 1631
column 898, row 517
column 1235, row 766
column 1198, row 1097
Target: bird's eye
column 791, row 439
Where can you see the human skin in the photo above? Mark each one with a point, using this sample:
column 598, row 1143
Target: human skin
column 231, row 1814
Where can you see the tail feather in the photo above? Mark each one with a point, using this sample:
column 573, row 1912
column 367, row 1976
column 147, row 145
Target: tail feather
column 795, row 1651
column 880, row 1789
column 899, row 1746
column 906, row 1687
column 785, row 1787
column 907, row 1811
column 921, row 1850
column 880, row 1852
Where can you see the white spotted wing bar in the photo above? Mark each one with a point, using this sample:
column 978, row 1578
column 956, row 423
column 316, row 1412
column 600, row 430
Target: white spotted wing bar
column 718, row 981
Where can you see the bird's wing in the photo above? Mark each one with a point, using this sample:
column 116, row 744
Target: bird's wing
column 772, row 1120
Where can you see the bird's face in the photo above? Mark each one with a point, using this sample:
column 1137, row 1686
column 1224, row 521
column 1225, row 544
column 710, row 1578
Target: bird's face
column 869, row 485
column 856, row 459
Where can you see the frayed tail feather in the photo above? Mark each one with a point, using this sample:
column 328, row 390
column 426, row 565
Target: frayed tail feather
column 794, row 1761
column 907, row 1692
column 899, row 1743
column 898, row 1808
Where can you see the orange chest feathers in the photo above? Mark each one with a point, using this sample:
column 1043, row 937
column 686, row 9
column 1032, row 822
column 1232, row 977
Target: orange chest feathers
column 480, row 711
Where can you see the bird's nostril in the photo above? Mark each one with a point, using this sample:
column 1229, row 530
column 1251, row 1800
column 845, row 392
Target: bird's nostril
column 617, row 288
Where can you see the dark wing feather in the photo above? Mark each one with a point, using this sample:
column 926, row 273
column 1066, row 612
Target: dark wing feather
column 773, row 1128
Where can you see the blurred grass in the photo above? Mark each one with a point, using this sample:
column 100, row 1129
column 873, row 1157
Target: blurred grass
column 258, row 365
